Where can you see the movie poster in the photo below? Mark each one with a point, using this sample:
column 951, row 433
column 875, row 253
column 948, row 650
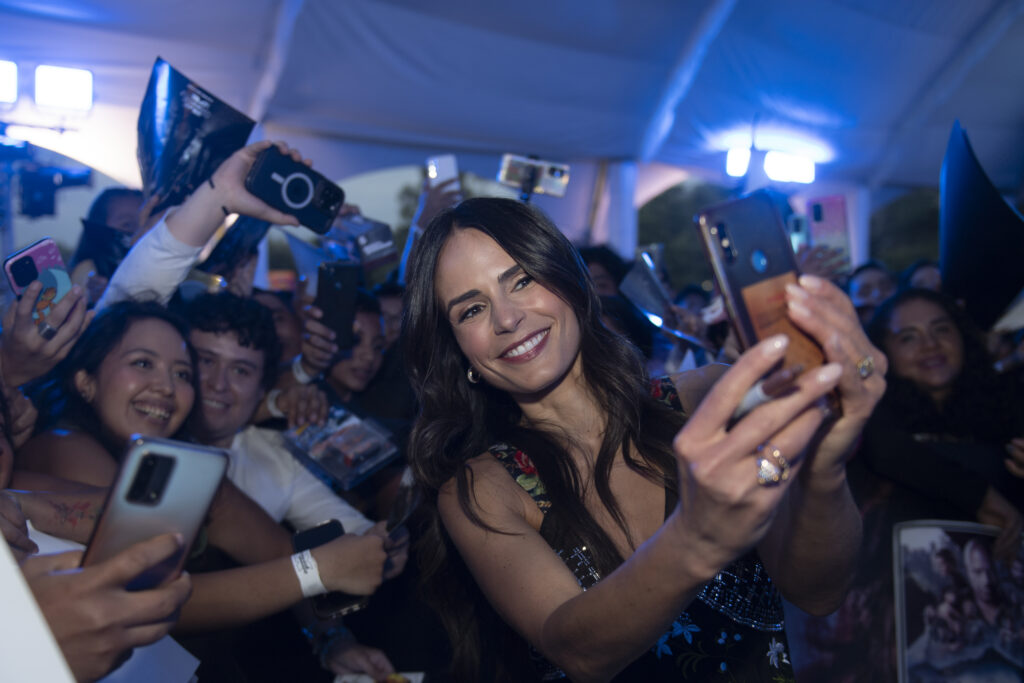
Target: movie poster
column 959, row 608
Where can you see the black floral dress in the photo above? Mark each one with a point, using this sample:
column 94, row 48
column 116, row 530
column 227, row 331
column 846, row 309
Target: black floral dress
column 732, row 631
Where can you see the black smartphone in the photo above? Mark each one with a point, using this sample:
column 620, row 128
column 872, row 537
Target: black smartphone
column 163, row 486
column 746, row 243
column 336, row 286
column 335, row 603
column 296, row 189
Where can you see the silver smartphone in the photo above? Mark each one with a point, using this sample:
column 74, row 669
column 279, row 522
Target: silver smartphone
column 163, row 486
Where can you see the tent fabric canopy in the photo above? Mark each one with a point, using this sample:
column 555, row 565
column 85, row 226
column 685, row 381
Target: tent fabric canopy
column 870, row 87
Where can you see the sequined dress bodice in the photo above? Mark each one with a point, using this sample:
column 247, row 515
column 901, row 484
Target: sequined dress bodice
column 732, row 631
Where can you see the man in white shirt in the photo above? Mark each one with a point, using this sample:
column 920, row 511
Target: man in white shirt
column 238, row 355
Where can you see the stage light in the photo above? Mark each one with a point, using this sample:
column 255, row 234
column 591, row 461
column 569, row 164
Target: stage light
column 63, row 88
column 788, row 168
column 8, row 82
column 737, row 161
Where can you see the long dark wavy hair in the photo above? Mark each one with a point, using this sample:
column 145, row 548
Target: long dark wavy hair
column 56, row 397
column 982, row 405
column 459, row 421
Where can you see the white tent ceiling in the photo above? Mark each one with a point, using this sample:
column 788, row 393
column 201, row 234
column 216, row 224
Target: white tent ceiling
column 876, row 84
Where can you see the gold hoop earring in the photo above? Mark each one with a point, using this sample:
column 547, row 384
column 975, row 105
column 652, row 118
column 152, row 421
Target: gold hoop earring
column 472, row 375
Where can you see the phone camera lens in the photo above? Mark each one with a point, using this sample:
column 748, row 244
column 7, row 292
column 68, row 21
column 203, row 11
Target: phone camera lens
column 24, row 271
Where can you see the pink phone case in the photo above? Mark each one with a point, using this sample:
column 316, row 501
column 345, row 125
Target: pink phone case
column 51, row 272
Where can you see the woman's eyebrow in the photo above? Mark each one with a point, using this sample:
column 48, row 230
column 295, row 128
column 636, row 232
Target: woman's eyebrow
column 465, row 296
column 139, row 349
column 503, row 278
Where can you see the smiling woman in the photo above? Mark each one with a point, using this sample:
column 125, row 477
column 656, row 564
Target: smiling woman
column 589, row 523
column 131, row 371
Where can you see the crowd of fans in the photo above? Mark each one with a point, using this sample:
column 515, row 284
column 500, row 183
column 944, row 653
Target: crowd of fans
column 128, row 352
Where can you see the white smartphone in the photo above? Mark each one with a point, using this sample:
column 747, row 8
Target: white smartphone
column 441, row 169
column 548, row 177
column 163, row 486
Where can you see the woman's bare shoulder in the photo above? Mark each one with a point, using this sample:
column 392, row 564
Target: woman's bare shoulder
column 493, row 494
column 68, row 454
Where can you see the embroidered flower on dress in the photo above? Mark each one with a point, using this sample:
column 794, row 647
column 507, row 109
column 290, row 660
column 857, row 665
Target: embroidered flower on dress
column 524, row 462
column 776, row 651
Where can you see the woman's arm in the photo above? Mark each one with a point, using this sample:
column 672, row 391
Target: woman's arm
column 722, row 513
column 242, row 529
column 162, row 258
column 59, row 507
column 353, row 564
column 68, row 455
column 811, row 549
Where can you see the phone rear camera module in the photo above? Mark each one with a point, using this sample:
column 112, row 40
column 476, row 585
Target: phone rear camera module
column 759, row 261
column 24, row 271
column 150, row 479
column 297, row 191
column 329, row 197
column 556, row 172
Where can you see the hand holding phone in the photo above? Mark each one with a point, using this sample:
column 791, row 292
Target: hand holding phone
column 32, row 346
column 294, row 188
column 336, row 603
column 336, row 288
column 163, row 486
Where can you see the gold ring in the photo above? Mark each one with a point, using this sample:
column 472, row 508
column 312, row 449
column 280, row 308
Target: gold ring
column 770, row 472
column 866, row 366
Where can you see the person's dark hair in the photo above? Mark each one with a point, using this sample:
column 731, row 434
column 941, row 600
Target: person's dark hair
column 284, row 297
column 612, row 262
column 389, row 289
column 248, row 319
column 632, row 322
column 100, row 206
column 870, row 264
column 366, row 302
column 56, row 396
column 908, row 272
column 981, row 405
column 691, row 289
column 459, row 421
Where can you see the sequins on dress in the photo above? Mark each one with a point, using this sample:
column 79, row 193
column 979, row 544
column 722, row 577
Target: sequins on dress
column 733, row 631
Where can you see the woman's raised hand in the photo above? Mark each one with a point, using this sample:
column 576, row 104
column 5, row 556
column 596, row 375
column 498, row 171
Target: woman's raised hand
column 823, row 311
column 732, row 479
column 229, row 183
column 30, row 348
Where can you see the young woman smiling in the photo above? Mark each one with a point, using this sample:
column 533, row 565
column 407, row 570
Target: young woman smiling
column 132, row 371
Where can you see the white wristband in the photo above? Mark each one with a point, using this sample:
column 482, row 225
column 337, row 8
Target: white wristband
column 301, row 376
column 308, row 574
column 272, row 406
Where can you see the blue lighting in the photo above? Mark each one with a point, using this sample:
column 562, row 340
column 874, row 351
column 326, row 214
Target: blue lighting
column 788, row 168
column 656, row 320
column 737, row 161
column 63, row 88
column 8, row 82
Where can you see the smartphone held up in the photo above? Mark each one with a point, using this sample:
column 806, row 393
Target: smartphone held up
column 750, row 253
column 41, row 261
column 295, row 189
column 163, row 486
